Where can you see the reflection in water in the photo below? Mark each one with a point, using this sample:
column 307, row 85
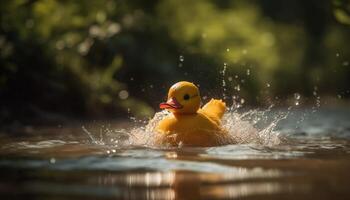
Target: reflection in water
column 150, row 179
column 239, row 182
column 246, row 189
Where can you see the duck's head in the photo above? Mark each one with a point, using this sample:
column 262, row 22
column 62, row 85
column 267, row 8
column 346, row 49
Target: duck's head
column 183, row 98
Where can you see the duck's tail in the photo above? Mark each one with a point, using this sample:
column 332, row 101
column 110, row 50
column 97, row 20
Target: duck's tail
column 215, row 108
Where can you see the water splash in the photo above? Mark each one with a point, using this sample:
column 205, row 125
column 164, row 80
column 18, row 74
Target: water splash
column 250, row 127
column 318, row 97
column 223, row 72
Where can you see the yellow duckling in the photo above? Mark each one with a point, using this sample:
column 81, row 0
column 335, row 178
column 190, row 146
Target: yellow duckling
column 188, row 124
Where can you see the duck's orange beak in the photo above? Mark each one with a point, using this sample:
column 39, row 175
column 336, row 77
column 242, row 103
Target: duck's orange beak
column 172, row 103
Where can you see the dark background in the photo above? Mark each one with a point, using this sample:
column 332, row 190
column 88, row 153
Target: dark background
column 117, row 58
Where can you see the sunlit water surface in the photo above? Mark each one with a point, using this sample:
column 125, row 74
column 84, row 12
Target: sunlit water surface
column 294, row 154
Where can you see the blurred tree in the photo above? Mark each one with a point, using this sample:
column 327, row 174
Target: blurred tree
column 111, row 57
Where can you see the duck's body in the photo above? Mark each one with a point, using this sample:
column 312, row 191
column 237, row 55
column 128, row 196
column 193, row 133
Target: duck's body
column 187, row 124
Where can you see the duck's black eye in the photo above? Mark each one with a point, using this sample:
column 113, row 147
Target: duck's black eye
column 186, row 97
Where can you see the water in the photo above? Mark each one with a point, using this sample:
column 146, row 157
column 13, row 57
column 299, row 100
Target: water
column 278, row 153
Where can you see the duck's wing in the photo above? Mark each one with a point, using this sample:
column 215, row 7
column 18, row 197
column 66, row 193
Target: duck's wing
column 214, row 109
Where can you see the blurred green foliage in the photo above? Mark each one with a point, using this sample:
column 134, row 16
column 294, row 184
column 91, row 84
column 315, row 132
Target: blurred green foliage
column 342, row 11
column 110, row 57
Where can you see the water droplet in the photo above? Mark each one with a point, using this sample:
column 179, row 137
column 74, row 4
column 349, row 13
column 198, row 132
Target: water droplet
column 297, row 96
column 223, row 80
column 236, row 76
column 230, row 78
column 52, row 160
column 181, row 58
column 108, row 151
column 123, row 94
column 180, row 65
column 248, row 72
column 238, row 87
column 346, row 63
column 113, row 150
column 337, row 54
column 268, row 85
column 131, row 78
column 242, row 101
column 339, row 96
column 205, row 97
column 227, row 49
